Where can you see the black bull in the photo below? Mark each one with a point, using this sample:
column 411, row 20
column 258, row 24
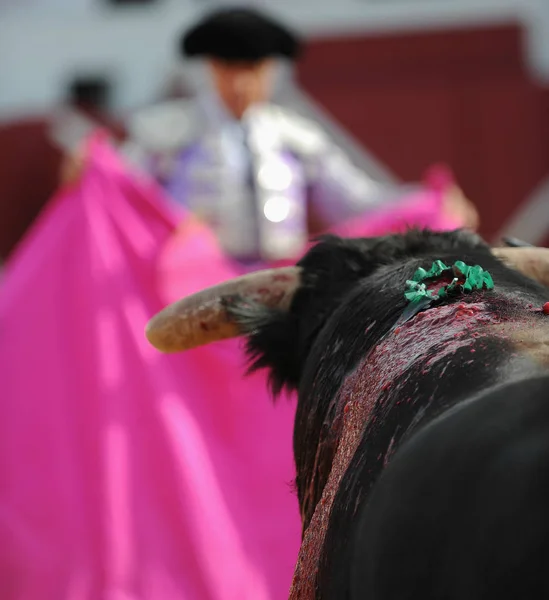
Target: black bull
column 421, row 450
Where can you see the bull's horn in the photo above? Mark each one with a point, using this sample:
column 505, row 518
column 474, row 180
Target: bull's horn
column 514, row 242
column 202, row 318
column 533, row 262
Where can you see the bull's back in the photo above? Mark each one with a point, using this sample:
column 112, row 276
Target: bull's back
column 460, row 512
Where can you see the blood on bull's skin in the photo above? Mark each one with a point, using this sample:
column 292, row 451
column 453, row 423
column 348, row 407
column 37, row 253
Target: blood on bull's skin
column 421, row 447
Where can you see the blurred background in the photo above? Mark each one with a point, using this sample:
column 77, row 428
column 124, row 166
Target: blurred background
column 401, row 84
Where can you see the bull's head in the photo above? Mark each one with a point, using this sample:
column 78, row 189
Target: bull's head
column 284, row 311
column 207, row 316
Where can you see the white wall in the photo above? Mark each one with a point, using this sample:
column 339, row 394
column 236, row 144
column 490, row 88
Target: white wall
column 43, row 41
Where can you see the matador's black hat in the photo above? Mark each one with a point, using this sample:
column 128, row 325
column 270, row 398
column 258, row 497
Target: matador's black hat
column 239, row 34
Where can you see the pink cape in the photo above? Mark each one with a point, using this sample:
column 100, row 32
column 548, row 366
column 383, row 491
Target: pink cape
column 126, row 474
column 420, row 208
column 417, row 207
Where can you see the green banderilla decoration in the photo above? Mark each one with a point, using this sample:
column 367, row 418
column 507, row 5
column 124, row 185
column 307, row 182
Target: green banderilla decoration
column 476, row 278
column 417, row 291
column 437, row 268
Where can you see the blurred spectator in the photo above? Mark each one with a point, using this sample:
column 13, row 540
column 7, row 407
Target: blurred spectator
column 176, row 86
column 31, row 154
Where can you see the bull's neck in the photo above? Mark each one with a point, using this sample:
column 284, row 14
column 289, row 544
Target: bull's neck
column 448, row 340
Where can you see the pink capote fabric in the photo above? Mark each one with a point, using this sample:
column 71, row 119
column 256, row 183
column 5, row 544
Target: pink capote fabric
column 421, row 208
column 418, row 207
column 126, row 474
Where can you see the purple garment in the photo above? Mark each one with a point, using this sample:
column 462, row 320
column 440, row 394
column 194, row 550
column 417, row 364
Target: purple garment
column 202, row 183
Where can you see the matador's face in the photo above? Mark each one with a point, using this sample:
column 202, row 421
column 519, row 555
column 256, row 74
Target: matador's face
column 242, row 84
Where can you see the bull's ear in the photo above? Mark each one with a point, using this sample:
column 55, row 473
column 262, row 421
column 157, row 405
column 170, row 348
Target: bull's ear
column 272, row 341
column 203, row 317
column 531, row 261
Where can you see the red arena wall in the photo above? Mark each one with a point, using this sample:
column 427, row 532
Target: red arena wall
column 464, row 97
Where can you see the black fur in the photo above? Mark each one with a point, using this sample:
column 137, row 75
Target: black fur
column 351, row 296
column 472, row 524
